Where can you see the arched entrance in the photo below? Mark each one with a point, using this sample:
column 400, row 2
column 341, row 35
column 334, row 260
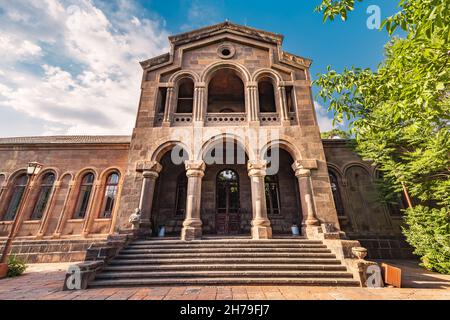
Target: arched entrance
column 169, row 198
column 226, row 207
column 227, row 202
column 282, row 192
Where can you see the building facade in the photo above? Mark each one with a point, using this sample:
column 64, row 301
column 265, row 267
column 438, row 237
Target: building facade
column 226, row 143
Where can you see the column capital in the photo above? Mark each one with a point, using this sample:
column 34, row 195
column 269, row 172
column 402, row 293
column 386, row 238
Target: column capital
column 304, row 167
column 300, row 170
column 148, row 166
column 252, row 84
column 195, row 168
column 150, row 174
column 256, row 168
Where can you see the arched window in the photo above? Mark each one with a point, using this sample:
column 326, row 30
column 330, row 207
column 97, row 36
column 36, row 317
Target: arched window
column 109, row 199
column 185, row 101
column 272, row 194
column 180, row 207
column 336, row 193
column 84, row 196
column 45, row 190
column 226, row 92
column 266, row 96
column 20, row 184
column 396, row 202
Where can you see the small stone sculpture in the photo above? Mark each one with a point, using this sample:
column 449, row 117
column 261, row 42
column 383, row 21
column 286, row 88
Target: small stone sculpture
column 135, row 218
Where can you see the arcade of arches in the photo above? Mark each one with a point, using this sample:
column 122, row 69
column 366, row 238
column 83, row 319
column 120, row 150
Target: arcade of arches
column 226, row 197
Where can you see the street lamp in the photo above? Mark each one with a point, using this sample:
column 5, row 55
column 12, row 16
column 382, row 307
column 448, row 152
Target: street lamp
column 33, row 169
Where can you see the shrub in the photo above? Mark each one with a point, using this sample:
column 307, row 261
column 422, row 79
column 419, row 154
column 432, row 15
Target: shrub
column 15, row 266
column 428, row 232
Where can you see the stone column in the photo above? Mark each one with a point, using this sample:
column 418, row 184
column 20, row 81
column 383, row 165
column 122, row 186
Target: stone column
column 199, row 97
column 48, row 211
column 66, row 211
column 150, row 171
column 307, row 198
column 168, row 106
column 192, row 225
column 252, row 101
column 284, row 113
column 261, row 228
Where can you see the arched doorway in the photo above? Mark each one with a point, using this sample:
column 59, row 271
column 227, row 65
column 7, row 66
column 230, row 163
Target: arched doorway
column 226, row 207
column 227, row 202
column 169, row 198
column 282, row 192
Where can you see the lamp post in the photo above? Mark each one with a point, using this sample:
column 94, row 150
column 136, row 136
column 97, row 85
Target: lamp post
column 32, row 170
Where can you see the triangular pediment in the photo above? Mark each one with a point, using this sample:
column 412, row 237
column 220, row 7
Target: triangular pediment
column 224, row 27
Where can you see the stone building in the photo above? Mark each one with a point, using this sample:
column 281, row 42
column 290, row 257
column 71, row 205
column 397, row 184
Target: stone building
column 227, row 93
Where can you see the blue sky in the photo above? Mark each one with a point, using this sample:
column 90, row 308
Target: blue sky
column 70, row 66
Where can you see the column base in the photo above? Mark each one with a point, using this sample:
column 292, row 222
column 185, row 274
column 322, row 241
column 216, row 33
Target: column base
column 261, row 229
column 309, row 231
column 192, row 230
column 191, row 233
column 261, row 233
column 145, row 229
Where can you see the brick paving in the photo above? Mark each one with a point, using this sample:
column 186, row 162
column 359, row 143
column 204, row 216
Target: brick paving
column 44, row 282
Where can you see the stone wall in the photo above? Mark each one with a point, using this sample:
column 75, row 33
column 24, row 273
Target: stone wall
column 366, row 216
column 68, row 158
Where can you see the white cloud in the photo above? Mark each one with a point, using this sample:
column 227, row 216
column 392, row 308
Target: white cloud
column 324, row 120
column 76, row 64
column 201, row 13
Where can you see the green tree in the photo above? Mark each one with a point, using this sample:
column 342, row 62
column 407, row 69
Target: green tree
column 335, row 133
column 400, row 116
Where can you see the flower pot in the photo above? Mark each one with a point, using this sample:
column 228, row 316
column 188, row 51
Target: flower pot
column 3, row 270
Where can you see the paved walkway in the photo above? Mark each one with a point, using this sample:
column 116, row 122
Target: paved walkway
column 44, row 281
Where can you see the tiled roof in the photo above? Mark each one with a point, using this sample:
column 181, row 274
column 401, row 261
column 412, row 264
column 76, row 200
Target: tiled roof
column 66, row 140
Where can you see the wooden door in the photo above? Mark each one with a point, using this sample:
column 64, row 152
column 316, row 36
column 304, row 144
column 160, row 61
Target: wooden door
column 227, row 203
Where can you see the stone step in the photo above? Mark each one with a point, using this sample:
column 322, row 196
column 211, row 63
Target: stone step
column 221, row 246
column 207, row 267
column 225, row 281
column 226, row 241
column 207, row 261
column 267, row 255
column 223, row 250
column 224, row 274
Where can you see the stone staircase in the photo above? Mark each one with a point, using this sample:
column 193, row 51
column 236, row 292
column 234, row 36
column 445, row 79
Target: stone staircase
column 225, row 262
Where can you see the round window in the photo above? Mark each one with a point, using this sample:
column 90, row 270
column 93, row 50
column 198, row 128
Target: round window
column 226, row 51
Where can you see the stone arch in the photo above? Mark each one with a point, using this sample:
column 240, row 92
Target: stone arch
column 105, row 173
column 45, row 171
column 335, row 169
column 80, row 174
column 65, row 174
column 165, row 147
column 284, row 144
column 14, row 175
column 225, row 136
column 265, row 72
column 179, row 75
column 212, row 68
column 357, row 164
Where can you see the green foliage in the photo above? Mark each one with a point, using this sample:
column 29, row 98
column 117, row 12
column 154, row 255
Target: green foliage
column 335, row 133
column 429, row 233
column 15, row 266
column 400, row 113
